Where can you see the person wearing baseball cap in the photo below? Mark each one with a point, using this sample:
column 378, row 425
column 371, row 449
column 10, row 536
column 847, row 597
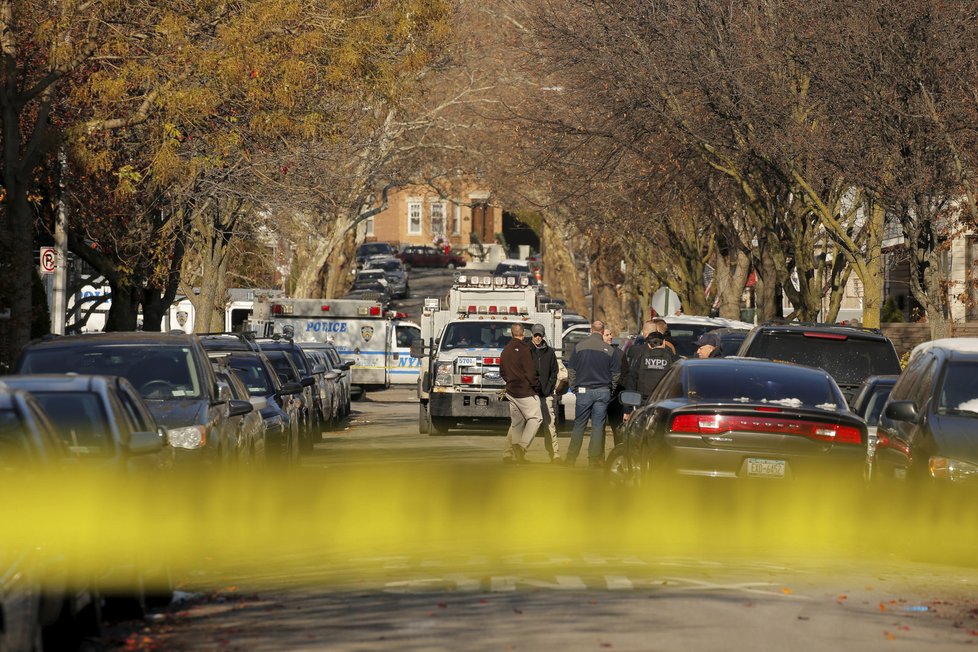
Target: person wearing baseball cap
column 708, row 345
column 545, row 360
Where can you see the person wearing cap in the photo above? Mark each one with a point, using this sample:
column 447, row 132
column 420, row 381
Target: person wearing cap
column 593, row 371
column 523, row 393
column 708, row 345
column 545, row 360
column 648, row 363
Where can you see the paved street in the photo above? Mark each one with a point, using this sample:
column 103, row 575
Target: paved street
column 432, row 543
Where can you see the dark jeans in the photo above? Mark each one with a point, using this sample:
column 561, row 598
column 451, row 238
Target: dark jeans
column 591, row 404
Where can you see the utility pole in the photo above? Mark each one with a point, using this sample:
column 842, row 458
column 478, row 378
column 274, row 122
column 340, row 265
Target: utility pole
column 59, row 302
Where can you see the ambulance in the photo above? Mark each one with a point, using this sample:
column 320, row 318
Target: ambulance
column 461, row 342
column 361, row 330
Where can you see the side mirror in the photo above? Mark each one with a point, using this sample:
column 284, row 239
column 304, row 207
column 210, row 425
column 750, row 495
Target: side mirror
column 332, row 376
column 222, row 392
column 144, row 443
column 318, row 369
column 239, row 408
column 346, row 365
column 633, row 399
column 308, row 381
column 417, row 348
column 289, row 388
column 901, row 411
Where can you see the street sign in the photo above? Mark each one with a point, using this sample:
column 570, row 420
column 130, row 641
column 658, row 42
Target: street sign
column 49, row 260
column 665, row 302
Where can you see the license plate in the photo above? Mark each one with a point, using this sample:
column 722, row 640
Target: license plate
column 466, row 362
column 765, row 468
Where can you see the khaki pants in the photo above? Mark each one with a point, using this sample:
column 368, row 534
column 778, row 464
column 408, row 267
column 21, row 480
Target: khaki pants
column 525, row 418
column 550, row 423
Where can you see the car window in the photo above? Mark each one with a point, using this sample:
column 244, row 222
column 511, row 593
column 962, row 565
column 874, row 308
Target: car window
column 283, row 367
column 254, row 376
column 875, row 403
column 904, row 385
column 790, row 386
column 14, row 448
column 959, row 389
column 405, row 335
column 80, row 420
column 669, row 387
column 157, row 371
column 849, row 361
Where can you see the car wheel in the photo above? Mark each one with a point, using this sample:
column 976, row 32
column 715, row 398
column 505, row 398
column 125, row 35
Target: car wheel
column 450, row 266
column 423, row 424
column 618, row 467
column 437, row 426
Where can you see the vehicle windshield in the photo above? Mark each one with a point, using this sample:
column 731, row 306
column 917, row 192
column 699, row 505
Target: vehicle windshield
column 157, row 371
column 386, row 265
column 789, row 386
column 684, row 336
column 375, row 249
column 370, row 275
column 849, row 361
column 475, row 335
column 79, row 419
column 254, row 376
column 959, row 390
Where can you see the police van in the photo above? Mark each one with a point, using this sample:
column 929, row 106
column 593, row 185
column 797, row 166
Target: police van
column 362, row 332
column 461, row 344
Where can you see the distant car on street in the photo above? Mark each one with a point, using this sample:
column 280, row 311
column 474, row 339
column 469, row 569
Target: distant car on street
column 395, row 273
column 369, row 250
column 427, row 256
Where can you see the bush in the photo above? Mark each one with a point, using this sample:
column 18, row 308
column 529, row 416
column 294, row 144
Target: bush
column 891, row 312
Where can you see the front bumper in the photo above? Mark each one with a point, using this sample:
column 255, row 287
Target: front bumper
column 468, row 406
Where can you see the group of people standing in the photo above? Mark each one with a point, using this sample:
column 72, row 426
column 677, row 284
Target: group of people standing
column 596, row 372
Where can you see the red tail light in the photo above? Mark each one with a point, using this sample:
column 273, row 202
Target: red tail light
column 826, row 336
column 276, row 309
column 712, row 424
column 375, row 311
column 490, row 360
column 471, row 308
column 467, row 380
column 325, row 308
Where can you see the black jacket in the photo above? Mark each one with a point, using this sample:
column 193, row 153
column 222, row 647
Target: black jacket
column 646, row 367
column 545, row 360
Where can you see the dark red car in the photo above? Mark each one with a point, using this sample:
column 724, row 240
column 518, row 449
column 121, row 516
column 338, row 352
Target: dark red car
column 425, row 256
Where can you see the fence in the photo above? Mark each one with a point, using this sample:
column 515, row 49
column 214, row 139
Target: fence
column 907, row 336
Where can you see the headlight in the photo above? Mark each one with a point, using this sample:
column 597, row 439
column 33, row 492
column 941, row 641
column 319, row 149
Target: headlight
column 190, row 437
column 945, row 468
column 443, row 373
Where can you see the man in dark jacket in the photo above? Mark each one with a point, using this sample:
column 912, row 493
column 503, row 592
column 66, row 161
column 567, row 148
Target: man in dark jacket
column 708, row 345
column 545, row 360
column 648, row 363
column 523, row 391
column 594, row 371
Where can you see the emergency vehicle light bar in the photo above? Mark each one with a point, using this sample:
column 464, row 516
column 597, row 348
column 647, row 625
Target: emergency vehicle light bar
column 279, row 309
column 372, row 311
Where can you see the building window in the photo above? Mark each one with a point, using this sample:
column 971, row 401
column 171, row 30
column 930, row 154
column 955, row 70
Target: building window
column 368, row 227
column 414, row 218
column 438, row 219
column 456, row 219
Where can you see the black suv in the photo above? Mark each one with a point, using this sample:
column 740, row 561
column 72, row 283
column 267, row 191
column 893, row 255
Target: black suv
column 169, row 370
column 849, row 355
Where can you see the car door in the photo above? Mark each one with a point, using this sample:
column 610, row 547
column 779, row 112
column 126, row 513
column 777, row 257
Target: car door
column 894, row 448
column 401, row 367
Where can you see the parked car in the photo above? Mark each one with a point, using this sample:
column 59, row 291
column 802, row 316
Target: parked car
column 730, row 339
column 341, row 367
column 172, row 373
column 371, row 284
column 850, row 355
column 102, row 421
column 369, row 250
column 291, row 362
column 868, row 404
column 427, row 256
column 927, row 433
column 737, row 418
column 684, row 330
column 278, row 403
column 395, row 273
column 333, row 385
column 249, row 428
column 514, row 266
column 42, row 604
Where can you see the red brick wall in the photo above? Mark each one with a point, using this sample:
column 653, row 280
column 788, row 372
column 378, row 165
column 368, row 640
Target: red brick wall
column 907, row 336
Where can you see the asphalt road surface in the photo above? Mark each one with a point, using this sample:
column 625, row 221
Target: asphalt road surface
column 486, row 570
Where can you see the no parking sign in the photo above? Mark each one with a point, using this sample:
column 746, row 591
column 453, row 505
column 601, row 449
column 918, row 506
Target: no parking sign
column 49, row 260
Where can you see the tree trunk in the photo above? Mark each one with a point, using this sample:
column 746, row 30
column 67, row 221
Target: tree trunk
column 605, row 274
column 732, row 270
column 559, row 268
column 124, row 308
column 766, row 290
column 337, row 277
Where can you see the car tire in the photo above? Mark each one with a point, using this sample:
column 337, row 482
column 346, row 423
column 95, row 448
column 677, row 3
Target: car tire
column 437, row 426
column 423, row 424
column 450, row 266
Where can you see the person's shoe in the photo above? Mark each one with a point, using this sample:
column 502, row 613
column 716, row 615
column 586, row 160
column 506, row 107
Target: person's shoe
column 567, row 462
column 519, row 455
column 597, row 465
column 508, row 457
column 555, row 459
